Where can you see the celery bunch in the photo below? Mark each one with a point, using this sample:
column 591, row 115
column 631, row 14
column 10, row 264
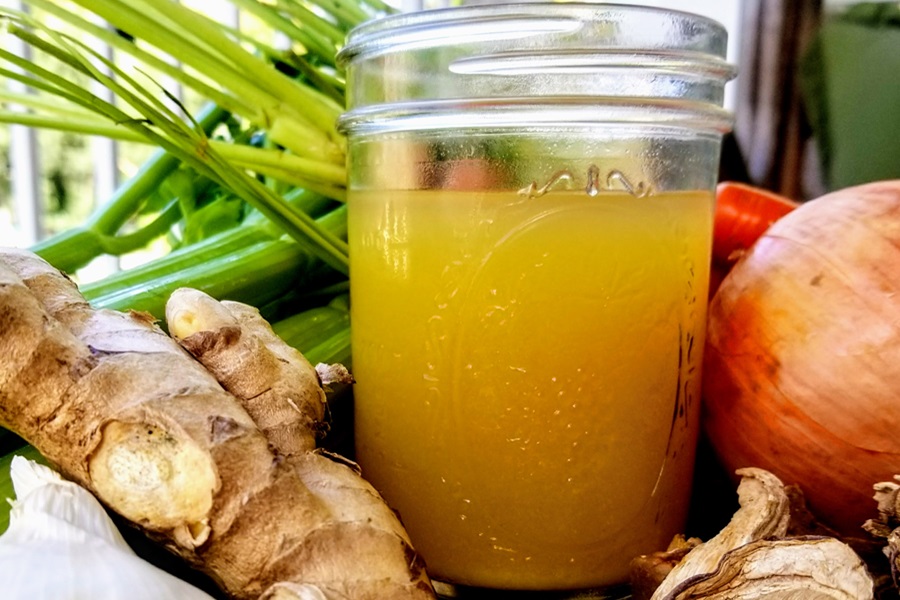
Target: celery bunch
column 249, row 191
column 252, row 186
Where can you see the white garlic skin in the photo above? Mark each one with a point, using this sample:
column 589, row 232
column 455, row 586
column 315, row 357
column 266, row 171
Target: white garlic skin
column 61, row 545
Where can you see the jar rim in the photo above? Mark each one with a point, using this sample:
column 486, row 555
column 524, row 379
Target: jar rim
column 413, row 30
column 593, row 62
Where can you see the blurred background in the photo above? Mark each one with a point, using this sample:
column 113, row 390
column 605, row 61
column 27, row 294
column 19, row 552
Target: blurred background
column 816, row 104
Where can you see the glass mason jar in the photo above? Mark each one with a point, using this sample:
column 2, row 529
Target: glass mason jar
column 531, row 193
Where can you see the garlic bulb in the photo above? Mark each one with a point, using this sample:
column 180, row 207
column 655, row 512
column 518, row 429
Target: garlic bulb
column 61, row 545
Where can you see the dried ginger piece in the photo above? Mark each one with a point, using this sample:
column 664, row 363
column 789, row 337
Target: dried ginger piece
column 751, row 559
column 648, row 571
column 887, row 525
column 803, row 567
column 764, row 512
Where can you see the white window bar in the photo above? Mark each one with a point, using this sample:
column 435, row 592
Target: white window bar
column 411, row 5
column 24, row 160
column 105, row 160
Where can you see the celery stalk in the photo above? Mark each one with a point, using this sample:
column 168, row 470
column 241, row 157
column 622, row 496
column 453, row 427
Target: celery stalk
column 73, row 123
column 77, row 247
column 309, row 328
column 257, row 274
column 316, row 35
column 336, row 349
column 326, row 176
column 254, row 230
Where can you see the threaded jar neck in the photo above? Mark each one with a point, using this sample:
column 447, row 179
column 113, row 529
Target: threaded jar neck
column 509, row 63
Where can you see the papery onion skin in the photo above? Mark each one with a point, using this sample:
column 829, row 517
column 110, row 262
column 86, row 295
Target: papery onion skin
column 802, row 361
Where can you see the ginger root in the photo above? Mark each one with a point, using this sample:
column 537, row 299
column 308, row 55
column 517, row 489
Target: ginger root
column 120, row 408
column 275, row 383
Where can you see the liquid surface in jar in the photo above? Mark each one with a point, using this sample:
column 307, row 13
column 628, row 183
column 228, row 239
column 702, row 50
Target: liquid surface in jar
column 528, row 375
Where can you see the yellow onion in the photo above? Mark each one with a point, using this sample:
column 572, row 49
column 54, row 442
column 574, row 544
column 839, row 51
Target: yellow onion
column 802, row 364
